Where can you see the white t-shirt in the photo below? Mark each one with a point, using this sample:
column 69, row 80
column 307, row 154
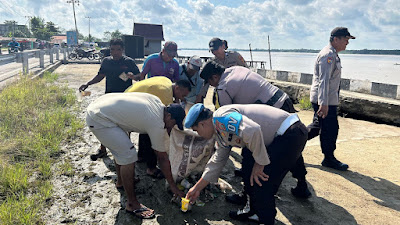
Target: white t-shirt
column 132, row 112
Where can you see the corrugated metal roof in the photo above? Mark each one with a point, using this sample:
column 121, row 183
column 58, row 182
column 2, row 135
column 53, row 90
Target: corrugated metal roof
column 149, row 31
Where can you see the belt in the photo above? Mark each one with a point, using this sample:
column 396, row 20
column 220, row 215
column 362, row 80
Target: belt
column 275, row 97
column 289, row 121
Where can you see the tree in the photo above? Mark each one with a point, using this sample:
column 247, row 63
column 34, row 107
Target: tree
column 112, row 35
column 42, row 30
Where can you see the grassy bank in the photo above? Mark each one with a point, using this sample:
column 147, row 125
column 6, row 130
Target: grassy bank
column 36, row 116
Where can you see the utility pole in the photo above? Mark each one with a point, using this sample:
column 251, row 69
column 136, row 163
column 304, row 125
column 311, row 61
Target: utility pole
column 89, row 27
column 269, row 50
column 73, row 7
column 29, row 25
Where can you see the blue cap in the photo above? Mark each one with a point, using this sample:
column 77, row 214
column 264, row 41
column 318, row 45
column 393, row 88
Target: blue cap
column 193, row 114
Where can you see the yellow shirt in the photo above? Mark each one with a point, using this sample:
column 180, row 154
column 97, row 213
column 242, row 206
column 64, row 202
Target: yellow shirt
column 159, row 86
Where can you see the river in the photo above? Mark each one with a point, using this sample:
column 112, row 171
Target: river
column 374, row 68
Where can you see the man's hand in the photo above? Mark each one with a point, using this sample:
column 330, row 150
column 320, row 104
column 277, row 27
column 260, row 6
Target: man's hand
column 322, row 111
column 257, row 174
column 177, row 192
column 193, row 194
column 83, row 87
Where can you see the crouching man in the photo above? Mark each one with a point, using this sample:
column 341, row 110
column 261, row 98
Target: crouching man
column 111, row 116
column 271, row 140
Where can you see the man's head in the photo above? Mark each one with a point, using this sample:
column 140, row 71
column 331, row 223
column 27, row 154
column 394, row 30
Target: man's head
column 217, row 48
column 13, row 39
column 169, row 51
column 340, row 38
column 174, row 115
column 199, row 119
column 181, row 89
column 193, row 65
column 212, row 72
column 116, row 48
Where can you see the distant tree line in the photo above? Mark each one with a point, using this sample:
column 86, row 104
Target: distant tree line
column 43, row 30
column 302, row 50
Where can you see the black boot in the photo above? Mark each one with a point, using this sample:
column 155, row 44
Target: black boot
column 332, row 162
column 238, row 199
column 301, row 190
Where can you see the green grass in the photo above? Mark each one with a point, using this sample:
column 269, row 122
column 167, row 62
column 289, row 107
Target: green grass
column 304, row 103
column 36, row 117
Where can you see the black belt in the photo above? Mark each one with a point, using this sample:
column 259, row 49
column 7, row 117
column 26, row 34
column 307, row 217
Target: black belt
column 273, row 99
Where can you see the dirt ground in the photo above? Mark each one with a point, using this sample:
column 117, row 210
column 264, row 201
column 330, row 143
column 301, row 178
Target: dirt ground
column 368, row 193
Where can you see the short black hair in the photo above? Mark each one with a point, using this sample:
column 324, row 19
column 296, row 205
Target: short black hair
column 117, row 41
column 204, row 115
column 184, row 84
column 211, row 68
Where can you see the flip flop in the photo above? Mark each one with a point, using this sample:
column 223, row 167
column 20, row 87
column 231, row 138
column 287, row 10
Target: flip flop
column 137, row 213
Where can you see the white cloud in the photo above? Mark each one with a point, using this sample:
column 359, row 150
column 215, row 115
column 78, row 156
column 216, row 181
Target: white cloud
column 290, row 23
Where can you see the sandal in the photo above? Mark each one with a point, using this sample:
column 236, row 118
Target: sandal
column 138, row 213
column 100, row 154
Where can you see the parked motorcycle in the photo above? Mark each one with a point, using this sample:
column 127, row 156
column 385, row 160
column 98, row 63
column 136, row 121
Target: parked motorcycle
column 79, row 53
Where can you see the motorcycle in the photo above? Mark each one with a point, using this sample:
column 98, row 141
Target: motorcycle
column 13, row 49
column 79, row 53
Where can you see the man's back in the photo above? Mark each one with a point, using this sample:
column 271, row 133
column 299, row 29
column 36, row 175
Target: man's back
column 158, row 86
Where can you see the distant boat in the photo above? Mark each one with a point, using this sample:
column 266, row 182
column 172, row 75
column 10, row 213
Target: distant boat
column 397, row 64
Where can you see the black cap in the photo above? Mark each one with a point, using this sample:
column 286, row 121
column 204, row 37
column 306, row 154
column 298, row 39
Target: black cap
column 178, row 113
column 211, row 68
column 341, row 32
column 214, row 44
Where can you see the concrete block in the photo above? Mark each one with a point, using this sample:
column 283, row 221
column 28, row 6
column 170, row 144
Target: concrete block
column 271, row 74
column 384, row 90
column 345, row 84
column 306, row 78
column 294, row 77
column 282, row 75
column 361, row 86
column 262, row 72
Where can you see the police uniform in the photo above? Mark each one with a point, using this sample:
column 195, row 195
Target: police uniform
column 325, row 91
column 239, row 85
column 268, row 136
column 232, row 58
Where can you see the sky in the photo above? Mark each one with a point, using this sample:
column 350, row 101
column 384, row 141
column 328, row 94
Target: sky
column 290, row 24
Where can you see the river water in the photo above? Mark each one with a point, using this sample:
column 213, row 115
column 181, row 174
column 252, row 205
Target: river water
column 374, row 68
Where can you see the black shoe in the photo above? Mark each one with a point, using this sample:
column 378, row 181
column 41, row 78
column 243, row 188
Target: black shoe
column 237, row 199
column 100, row 154
column 301, row 191
column 333, row 163
column 244, row 216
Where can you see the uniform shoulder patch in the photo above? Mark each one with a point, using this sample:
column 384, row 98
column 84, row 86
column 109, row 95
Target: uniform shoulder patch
column 329, row 60
column 229, row 123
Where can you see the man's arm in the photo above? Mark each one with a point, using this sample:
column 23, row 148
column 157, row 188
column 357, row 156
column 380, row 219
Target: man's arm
column 96, row 79
column 326, row 65
column 240, row 60
column 165, row 167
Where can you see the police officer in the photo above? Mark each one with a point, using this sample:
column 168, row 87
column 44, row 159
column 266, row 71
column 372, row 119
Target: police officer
column 271, row 140
column 239, row 85
column 223, row 57
column 324, row 96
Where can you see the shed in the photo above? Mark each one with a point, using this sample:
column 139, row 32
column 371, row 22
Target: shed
column 153, row 36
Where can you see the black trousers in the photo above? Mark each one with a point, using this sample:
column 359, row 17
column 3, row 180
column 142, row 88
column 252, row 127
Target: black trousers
column 327, row 128
column 299, row 170
column 284, row 153
column 146, row 151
